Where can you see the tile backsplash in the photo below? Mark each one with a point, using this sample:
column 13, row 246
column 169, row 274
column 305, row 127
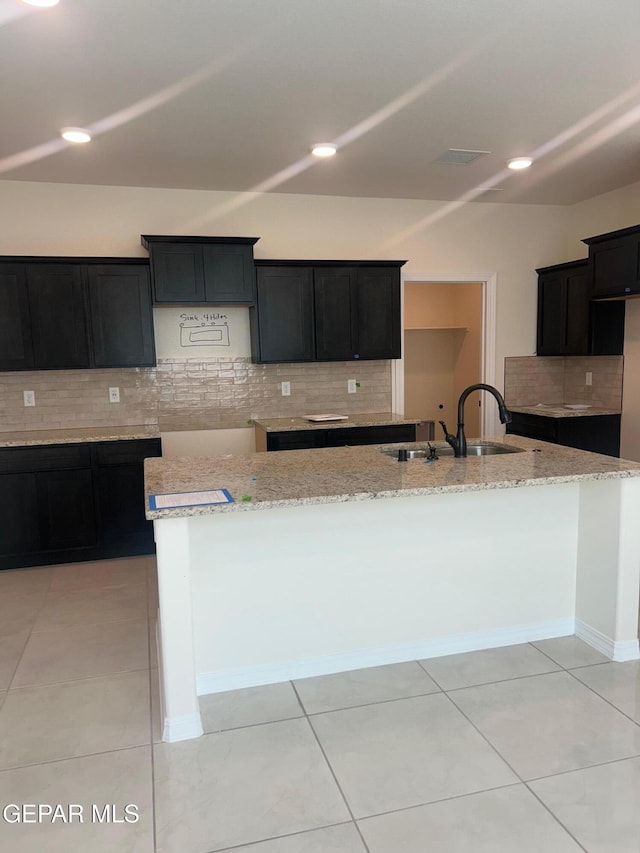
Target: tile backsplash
column 558, row 380
column 191, row 393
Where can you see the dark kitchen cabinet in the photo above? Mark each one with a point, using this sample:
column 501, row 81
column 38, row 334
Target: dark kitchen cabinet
column 282, row 322
column 121, row 315
column 305, row 439
column 16, row 348
column 75, row 313
column 74, row 502
column 47, row 505
column 119, row 469
column 326, row 311
column 614, row 263
column 569, row 323
column 596, row 433
column 57, row 305
column 357, row 313
column 216, row 270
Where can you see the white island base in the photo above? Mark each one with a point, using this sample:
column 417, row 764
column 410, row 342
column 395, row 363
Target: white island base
column 256, row 597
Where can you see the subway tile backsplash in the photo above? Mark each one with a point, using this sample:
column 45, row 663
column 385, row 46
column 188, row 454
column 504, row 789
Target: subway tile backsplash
column 557, row 380
column 183, row 393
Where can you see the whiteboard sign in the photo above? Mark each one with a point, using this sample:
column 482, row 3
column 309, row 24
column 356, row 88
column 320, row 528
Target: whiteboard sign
column 202, row 332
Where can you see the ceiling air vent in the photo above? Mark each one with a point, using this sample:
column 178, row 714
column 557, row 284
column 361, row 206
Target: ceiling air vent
column 460, row 156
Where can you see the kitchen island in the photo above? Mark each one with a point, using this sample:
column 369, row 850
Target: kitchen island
column 340, row 558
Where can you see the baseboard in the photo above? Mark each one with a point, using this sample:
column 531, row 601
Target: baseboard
column 233, row 679
column 616, row 651
column 182, row 728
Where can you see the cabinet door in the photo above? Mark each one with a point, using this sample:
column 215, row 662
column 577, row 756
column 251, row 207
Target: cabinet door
column 285, row 310
column 19, row 531
column 178, row 274
column 297, row 439
column 120, row 471
column 67, row 513
column 16, row 350
column 334, row 293
column 615, row 265
column 377, row 313
column 229, row 274
column 58, row 315
column 577, row 312
column 552, row 308
column 121, row 317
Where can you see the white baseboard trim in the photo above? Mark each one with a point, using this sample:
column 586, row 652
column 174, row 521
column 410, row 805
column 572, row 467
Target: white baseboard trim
column 253, row 676
column 617, row 651
column 182, row 728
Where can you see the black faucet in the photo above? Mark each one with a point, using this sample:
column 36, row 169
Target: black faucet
column 459, row 441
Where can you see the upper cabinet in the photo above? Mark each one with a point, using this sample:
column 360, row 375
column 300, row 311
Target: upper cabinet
column 75, row 313
column 282, row 323
column 121, row 319
column 326, row 311
column 568, row 322
column 614, row 263
column 16, row 346
column 217, row 270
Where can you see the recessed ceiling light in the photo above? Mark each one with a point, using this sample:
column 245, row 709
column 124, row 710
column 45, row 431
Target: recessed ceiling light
column 41, row 2
column 324, row 149
column 75, row 134
column 520, row 163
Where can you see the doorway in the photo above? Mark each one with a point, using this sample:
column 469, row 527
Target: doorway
column 450, row 325
column 442, row 351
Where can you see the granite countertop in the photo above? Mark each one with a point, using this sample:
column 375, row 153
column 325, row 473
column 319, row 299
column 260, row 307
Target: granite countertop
column 364, row 420
column 561, row 411
column 77, row 436
column 333, row 475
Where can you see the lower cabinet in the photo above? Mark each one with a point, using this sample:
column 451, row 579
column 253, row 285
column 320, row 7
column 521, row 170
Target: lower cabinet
column 305, row 439
column 74, row 502
column 596, row 433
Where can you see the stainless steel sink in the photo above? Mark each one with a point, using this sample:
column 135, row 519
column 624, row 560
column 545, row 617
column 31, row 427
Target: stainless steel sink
column 483, row 450
column 487, row 449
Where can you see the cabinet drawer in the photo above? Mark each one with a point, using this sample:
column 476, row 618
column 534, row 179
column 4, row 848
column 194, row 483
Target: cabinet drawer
column 126, row 452
column 532, row 426
column 50, row 457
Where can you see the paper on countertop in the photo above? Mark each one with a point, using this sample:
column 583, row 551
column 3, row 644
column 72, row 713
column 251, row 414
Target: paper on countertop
column 185, row 499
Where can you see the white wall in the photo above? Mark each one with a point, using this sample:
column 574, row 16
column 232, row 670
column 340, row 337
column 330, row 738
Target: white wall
column 62, row 219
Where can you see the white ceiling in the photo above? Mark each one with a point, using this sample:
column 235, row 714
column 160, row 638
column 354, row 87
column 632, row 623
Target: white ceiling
column 230, row 94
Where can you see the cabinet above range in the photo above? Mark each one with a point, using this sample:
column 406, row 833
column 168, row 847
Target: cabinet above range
column 326, row 311
column 60, row 313
column 200, row 270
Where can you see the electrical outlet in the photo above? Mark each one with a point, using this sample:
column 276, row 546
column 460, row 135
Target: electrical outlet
column 589, row 378
column 29, row 398
column 286, row 389
column 114, row 395
column 351, row 386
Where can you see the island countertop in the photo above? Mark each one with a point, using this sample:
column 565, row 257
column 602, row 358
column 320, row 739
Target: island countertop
column 332, row 475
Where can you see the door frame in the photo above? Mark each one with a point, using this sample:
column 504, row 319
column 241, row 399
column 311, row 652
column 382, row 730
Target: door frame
column 489, row 422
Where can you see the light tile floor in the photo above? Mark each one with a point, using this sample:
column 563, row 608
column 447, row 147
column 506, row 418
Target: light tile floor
column 529, row 748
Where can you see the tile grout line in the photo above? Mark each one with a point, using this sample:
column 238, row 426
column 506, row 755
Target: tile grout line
column 31, row 631
column 73, row 757
column 331, row 770
column 244, row 845
column 604, row 698
column 522, row 781
column 76, row 680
